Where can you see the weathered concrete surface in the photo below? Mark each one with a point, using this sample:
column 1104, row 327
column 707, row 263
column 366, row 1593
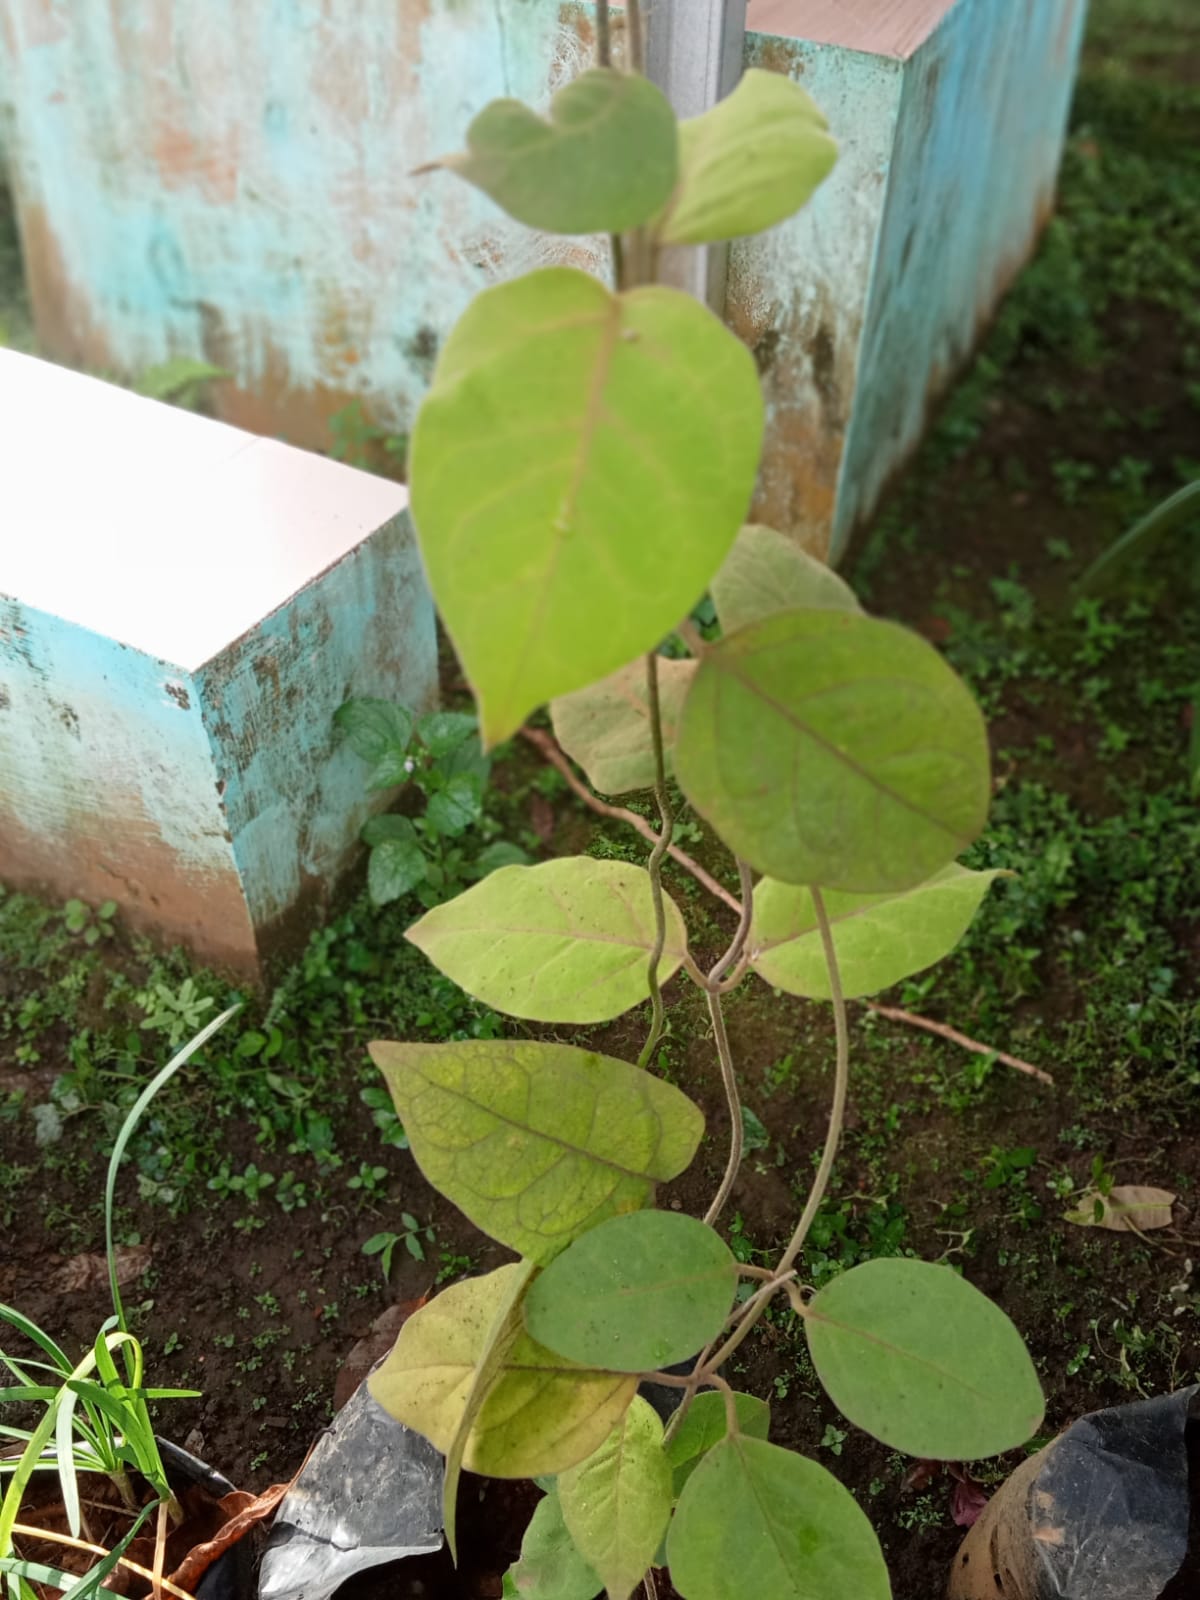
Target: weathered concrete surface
column 234, row 181
column 183, row 607
column 951, row 116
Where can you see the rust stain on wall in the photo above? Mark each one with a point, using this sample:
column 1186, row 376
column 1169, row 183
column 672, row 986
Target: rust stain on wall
column 122, row 856
column 67, row 329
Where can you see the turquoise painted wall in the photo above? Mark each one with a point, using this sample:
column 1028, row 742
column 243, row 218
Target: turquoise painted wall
column 978, row 141
column 235, row 181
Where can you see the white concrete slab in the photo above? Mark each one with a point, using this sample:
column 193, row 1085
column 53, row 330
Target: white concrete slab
column 157, row 528
column 894, row 28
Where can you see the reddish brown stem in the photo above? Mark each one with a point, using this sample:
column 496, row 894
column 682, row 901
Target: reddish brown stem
column 543, row 742
column 945, row 1031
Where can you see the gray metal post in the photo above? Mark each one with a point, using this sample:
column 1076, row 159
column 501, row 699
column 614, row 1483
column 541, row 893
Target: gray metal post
column 694, row 52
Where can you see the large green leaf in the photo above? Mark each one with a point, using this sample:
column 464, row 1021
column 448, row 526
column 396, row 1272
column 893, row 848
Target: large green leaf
column 637, row 1293
column 879, row 938
column 496, row 1347
column 579, row 472
column 706, row 1424
column 606, row 727
column 605, row 160
column 829, row 748
column 565, row 941
column 537, row 1143
column 750, row 162
column 918, row 1357
column 616, row 1504
column 766, row 572
column 550, row 1567
column 757, row 1520
column 541, row 1412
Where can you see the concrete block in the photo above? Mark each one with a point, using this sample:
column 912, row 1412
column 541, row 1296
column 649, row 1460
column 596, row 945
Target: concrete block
column 951, row 116
column 233, row 182
column 183, row 607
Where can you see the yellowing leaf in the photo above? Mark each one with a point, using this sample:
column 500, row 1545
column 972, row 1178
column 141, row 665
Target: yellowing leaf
column 498, row 1340
column 606, row 727
column 541, row 1414
column 579, row 471
column 537, row 1143
column 879, row 938
column 1127, row 1208
column 829, row 748
column 605, row 160
column 766, row 572
column 565, row 941
column 616, row 1504
column 750, row 162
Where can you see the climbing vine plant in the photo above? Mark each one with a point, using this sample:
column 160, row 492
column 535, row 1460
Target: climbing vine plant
column 580, row 474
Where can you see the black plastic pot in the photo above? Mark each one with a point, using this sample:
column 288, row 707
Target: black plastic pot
column 1109, row 1511
column 234, row 1575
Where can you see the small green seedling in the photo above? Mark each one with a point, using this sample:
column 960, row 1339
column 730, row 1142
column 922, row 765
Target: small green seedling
column 434, row 853
column 414, row 1238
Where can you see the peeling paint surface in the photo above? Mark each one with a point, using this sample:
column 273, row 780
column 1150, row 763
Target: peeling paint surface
column 797, row 295
column 106, row 785
column 294, row 793
column 166, row 739
column 235, row 182
column 978, row 143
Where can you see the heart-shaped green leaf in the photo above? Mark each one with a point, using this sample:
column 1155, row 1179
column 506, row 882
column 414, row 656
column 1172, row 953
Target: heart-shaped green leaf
column 537, row 1143
column 706, row 1424
column 616, row 1504
column 635, row 1294
column 606, row 727
column 605, row 160
column 918, row 1357
column 757, row 1520
column 879, row 939
column 550, row 1567
column 766, row 572
column 579, row 472
column 541, row 1413
column 829, row 748
column 565, row 941
column 750, row 162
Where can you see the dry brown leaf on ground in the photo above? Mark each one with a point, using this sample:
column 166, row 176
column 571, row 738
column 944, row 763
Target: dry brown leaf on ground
column 376, row 1344
column 90, row 1271
column 1127, row 1208
column 245, row 1511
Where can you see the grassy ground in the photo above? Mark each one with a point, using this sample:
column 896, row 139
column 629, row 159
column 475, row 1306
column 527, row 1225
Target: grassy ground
column 265, row 1169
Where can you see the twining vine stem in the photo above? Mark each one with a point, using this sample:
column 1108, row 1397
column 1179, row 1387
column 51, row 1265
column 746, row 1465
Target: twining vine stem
column 661, row 846
column 712, row 994
column 841, row 1084
column 705, row 1369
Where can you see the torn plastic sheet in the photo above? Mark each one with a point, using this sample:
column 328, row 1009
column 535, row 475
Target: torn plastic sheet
column 1106, row 1512
column 371, row 1492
